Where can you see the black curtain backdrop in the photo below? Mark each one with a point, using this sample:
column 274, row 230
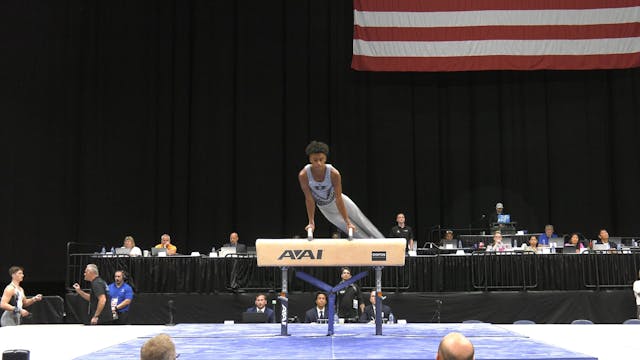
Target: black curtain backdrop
column 191, row 117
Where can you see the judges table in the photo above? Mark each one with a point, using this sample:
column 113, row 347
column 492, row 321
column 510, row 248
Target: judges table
column 469, row 272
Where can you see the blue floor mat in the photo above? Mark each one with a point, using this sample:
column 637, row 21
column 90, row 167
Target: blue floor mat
column 350, row 341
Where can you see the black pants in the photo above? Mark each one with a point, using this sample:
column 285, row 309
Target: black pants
column 123, row 318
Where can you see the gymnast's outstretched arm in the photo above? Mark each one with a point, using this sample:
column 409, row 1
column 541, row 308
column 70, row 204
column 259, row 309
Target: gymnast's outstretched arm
column 309, row 202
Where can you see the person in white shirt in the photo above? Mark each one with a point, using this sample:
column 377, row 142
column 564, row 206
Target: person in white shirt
column 130, row 244
column 636, row 292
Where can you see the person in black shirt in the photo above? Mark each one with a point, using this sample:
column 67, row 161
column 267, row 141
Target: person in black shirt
column 350, row 299
column 99, row 299
column 402, row 231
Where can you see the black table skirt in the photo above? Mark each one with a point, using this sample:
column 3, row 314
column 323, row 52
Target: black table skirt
column 440, row 273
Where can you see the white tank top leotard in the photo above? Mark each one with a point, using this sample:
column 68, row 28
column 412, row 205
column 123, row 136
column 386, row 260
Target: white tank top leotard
column 322, row 191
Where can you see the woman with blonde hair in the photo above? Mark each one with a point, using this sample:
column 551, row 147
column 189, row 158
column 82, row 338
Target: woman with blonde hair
column 130, row 244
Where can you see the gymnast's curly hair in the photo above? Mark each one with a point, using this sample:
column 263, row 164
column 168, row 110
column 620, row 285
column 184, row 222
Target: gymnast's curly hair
column 316, row 147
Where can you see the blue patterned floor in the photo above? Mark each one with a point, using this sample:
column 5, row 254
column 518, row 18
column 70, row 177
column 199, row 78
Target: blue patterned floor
column 351, row 341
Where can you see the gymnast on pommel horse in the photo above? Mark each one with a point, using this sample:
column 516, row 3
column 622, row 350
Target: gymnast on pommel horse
column 322, row 185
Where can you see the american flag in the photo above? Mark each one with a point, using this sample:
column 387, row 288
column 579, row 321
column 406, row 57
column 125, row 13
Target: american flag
column 461, row 35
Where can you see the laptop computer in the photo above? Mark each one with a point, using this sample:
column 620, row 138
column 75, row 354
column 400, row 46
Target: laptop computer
column 601, row 247
column 449, row 244
column 155, row 251
column 569, row 249
column 122, row 251
column 504, row 218
column 558, row 241
column 226, row 250
column 254, row 317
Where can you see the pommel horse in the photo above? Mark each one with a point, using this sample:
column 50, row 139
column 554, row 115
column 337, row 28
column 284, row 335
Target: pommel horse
column 286, row 253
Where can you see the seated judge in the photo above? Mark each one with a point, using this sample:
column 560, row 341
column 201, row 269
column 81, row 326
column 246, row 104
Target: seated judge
column 130, row 244
column 165, row 242
column 261, row 307
column 603, row 238
column 369, row 313
column 532, row 245
column 233, row 242
column 319, row 311
column 448, row 236
column 548, row 235
column 574, row 240
column 497, row 242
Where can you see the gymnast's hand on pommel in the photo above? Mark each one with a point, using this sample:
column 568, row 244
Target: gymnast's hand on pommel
column 310, row 226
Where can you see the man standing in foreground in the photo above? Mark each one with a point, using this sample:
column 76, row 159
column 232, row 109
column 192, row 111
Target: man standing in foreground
column 99, row 299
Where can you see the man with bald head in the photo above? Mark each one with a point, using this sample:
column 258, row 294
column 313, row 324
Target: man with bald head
column 233, row 242
column 455, row 346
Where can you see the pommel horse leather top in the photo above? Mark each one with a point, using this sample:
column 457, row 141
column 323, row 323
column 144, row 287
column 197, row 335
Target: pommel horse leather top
column 331, row 252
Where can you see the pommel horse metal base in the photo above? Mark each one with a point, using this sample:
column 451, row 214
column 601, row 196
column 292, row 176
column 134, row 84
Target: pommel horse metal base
column 285, row 253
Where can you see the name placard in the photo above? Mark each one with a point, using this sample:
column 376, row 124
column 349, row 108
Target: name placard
column 331, row 252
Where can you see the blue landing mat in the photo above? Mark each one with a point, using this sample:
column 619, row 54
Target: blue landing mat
column 351, row 341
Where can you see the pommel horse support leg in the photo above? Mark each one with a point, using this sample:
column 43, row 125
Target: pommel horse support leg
column 285, row 253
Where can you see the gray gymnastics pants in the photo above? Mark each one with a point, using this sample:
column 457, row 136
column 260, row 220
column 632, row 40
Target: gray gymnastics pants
column 364, row 227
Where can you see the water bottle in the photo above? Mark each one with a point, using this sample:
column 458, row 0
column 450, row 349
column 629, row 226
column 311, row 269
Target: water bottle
column 113, row 251
column 459, row 244
column 335, row 319
column 553, row 248
column 634, row 243
column 103, row 251
column 392, row 319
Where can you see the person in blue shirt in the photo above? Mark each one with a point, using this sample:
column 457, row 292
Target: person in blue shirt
column 548, row 234
column 121, row 298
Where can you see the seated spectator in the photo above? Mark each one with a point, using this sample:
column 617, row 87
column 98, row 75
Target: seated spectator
column 319, row 311
column 233, row 242
column 130, row 244
column 261, row 307
column 165, row 242
column 533, row 245
column 548, row 234
column 159, row 347
column 603, row 237
column 497, row 242
column 455, row 346
column 369, row 313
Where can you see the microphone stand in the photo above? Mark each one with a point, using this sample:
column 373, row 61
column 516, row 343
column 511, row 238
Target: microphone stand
column 436, row 314
column 171, row 309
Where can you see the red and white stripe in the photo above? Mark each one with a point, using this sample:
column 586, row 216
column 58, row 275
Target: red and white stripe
column 459, row 35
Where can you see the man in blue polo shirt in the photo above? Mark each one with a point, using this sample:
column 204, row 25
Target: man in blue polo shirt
column 121, row 297
column 548, row 234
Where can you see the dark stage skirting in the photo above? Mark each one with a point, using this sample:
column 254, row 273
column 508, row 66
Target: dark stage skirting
column 610, row 306
column 442, row 273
